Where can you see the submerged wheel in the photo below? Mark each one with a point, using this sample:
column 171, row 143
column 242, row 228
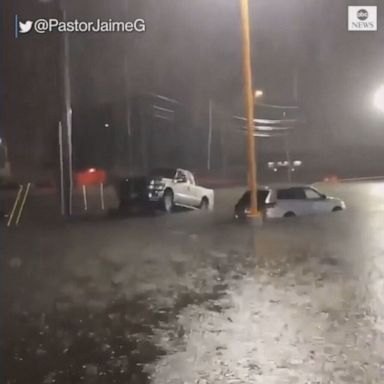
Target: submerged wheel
column 204, row 205
column 289, row 214
column 168, row 201
column 336, row 209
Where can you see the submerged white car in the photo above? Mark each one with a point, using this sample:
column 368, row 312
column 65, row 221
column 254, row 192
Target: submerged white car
column 288, row 201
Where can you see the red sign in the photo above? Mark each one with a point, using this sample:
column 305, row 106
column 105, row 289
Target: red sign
column 91, row 176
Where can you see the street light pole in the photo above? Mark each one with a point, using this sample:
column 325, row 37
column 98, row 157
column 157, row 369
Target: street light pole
column 249, row 108
column 65, row 124
column 287, row 153
column 66, row 120
column 210, row 110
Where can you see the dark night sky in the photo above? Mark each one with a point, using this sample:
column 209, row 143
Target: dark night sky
column 192, row 51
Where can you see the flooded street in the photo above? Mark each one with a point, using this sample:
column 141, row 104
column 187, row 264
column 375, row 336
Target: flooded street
column 197, row 298
column 192, row 192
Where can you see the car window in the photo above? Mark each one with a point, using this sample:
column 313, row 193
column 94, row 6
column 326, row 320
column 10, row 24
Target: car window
column 181, row 175
column 261, row 198
column 190, row 177
column 311, row 194
column 245, row 199
column 291, row 194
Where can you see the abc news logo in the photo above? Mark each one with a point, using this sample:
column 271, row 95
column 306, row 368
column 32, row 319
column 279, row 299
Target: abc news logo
column 362, row 18
column 362, row 14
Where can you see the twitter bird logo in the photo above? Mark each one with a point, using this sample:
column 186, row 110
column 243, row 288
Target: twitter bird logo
column 25, row 27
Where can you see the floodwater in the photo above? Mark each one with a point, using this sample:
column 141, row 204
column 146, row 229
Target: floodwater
column 196, row 298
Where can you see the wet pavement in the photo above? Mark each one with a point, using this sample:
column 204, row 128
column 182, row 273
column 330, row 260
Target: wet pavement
column 196, row 298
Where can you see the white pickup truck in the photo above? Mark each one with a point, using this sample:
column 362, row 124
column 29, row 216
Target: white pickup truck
column 177, row 187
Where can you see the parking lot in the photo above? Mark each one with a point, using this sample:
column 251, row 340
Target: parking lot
column 196, row 298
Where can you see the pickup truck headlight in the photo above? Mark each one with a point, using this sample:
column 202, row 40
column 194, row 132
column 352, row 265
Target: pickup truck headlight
column 157, row 186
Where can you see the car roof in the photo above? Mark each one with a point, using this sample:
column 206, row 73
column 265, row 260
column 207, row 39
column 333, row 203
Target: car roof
column 276, row 186
column 285, row 185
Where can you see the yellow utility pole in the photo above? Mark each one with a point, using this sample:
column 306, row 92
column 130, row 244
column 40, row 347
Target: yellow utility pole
column 249, row 108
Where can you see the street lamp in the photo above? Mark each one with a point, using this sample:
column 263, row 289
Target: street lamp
column 378, row 99
column 258, row 93
column 249, row 109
